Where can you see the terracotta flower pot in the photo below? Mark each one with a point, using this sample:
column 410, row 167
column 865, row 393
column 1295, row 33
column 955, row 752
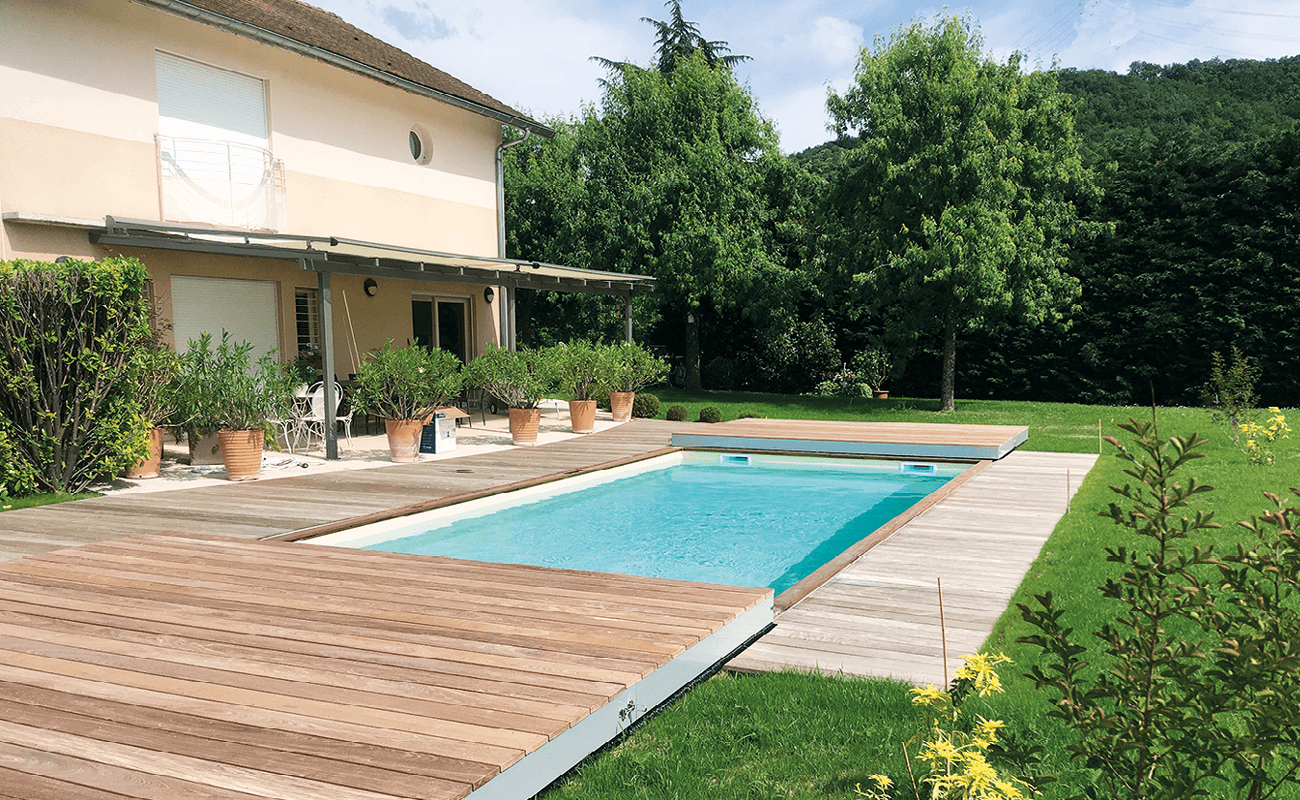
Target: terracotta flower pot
column 241, row 451
column 880, row 394
column 582, row 415
column 523, row 425
column 148, row 467
column 403, row 439
column 620, row 403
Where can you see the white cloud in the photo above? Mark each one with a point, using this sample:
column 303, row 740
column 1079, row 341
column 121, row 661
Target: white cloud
column 828, row 42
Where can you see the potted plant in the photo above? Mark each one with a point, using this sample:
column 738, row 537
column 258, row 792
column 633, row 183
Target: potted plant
column 156, row 376
column 520, row 379
column 632, row 368
column 582, row 371
column 872, row 366
column 222, row 390
column 405, row 385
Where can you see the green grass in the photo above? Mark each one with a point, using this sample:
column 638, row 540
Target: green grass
column 798, row 736
column 36, row 500
column 756, row 736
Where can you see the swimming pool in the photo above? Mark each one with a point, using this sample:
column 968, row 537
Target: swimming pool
column 745, row 520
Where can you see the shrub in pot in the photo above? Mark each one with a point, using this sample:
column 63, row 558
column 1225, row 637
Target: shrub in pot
column 156, row 380
column 405, row 385
column 520, row 379
column 632, row 368
column 872, row 367
column 221, row 389
column 583, row 372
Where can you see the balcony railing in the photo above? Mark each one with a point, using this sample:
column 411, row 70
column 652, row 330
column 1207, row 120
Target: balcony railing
column 221, row 183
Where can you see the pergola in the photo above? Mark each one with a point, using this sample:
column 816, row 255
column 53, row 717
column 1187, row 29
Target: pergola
column 327, row 255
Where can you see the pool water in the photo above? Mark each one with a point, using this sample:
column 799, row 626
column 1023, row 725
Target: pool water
column 768, row 522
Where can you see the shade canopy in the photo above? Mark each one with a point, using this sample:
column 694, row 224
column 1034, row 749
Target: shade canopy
column 338, row 254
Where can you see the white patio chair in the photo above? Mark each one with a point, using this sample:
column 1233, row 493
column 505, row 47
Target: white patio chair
column 289, row 429
column 312, row 422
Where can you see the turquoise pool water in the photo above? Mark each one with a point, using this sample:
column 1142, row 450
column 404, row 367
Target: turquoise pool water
column 759, row 524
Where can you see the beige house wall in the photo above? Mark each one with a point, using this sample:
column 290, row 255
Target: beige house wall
column 78, row 116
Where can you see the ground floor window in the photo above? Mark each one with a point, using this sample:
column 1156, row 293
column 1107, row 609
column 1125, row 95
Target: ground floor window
column 441, row 322
column 306, row 303
column 246, row 309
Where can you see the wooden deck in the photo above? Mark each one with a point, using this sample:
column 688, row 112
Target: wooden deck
column 259, row 509
column 166, row 666
column 895, row 439
column 880, row 615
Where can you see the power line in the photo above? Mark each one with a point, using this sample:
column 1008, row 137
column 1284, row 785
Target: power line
column 1196, row 44
column 1228, row 11
column 1249, row 34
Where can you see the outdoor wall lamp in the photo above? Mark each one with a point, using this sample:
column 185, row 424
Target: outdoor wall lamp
column 488, row 294
column 371, row 287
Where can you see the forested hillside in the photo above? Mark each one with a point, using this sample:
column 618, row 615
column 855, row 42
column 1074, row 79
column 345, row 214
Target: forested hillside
column 1200, row 165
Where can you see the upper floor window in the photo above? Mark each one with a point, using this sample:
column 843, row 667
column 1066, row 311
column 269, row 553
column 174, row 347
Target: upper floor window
column 214, row 155
column 419, row 139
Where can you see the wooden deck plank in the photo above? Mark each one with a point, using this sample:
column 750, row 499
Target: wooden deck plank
column 880, row 615
column 134, row 666
column 354, row 776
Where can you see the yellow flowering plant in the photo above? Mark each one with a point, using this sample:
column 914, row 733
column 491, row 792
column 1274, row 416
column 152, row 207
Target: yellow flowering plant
column 1257, row 440
column 953, row 754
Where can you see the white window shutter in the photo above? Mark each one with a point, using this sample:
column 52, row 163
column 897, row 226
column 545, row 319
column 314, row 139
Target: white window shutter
column 247, row 309
column 198, row 101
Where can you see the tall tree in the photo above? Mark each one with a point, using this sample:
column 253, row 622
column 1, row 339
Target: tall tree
column 959, row 202
column 674, row 175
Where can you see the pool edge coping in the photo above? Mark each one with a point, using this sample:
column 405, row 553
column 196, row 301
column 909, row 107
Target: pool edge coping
column 787, row 599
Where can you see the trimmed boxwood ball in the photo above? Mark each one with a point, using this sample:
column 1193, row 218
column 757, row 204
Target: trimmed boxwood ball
column 676, row 413
column 645, row 405
column 710, row 414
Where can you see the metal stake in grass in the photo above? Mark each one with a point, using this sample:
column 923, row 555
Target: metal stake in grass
column 943, row 632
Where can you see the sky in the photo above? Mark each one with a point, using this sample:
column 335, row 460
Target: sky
column 535, row 55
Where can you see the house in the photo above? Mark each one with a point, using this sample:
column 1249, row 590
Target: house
column 283, row 175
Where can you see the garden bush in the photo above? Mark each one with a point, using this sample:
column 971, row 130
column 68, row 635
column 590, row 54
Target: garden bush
column 720, row 374
column 1194, row 686
column 676, row 413
column 710, row 414
column 799, row 358
column 69, row 334
column 16, row 477
column 645, row 405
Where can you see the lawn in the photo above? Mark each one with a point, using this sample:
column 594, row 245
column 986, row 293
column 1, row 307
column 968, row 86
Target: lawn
column 46, row 499
column 800, row 736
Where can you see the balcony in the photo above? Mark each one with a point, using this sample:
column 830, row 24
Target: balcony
column 221, row 183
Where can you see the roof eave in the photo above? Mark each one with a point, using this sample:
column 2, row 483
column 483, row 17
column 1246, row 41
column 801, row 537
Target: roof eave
column 343, row 62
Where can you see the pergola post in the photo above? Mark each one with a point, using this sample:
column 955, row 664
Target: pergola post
column 511, row 306
column 627, row 319
column 327, row 364
column 503, row 314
